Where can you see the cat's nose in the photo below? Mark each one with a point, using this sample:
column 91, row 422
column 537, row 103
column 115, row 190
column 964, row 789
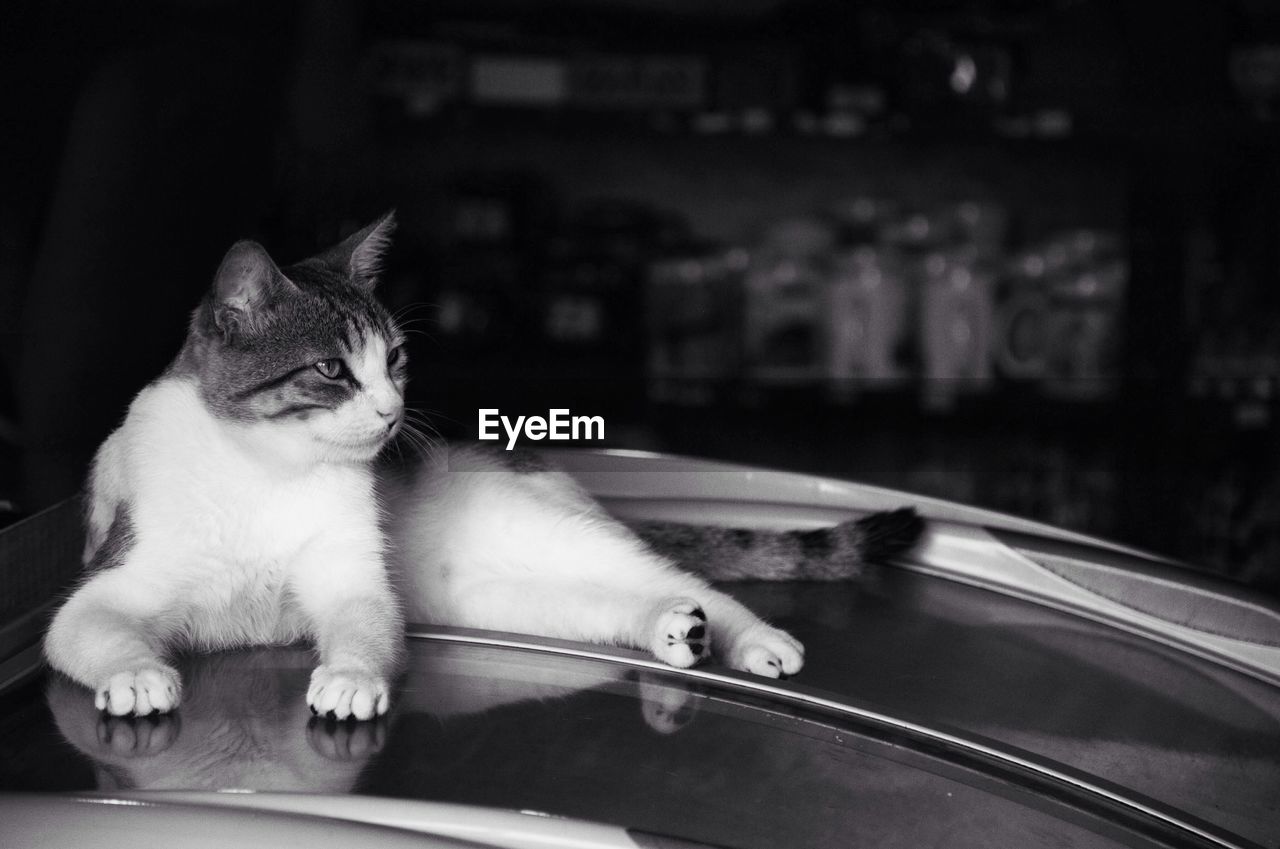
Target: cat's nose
column 390, row 417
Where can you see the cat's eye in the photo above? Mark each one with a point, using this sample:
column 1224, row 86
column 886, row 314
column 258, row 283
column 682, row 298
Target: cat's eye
column 332, row 369
column 395, row 356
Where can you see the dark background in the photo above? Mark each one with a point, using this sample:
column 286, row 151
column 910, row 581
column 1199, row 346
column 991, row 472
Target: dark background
column 1020, row 253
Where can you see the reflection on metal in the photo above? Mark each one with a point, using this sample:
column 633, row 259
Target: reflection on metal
column 1214, row 625
column 1021, row 767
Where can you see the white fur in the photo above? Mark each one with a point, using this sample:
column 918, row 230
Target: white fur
column 478, row 545
column 245, row 535
column 268, row 533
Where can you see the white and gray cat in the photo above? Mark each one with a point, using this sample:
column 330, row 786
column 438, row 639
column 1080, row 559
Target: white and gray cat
column 239, row 504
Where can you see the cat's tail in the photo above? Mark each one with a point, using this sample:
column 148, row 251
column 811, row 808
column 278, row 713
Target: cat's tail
column 835, row 553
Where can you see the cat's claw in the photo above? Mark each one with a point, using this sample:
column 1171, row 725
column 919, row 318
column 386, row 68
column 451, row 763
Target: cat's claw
column 768, row 651
column 139, row 692
column 347, row 693
column 680, row 635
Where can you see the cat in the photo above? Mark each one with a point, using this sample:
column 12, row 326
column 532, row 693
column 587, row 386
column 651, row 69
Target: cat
column 240, row 503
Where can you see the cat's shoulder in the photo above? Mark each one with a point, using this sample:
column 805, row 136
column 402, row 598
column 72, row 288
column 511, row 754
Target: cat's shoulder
column 162, row 408
column 165, row 399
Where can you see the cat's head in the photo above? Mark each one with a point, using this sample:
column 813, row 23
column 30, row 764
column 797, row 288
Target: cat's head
column 302, row 360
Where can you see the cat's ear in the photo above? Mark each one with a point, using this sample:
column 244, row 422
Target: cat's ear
column 246, row 284
column 359, row 256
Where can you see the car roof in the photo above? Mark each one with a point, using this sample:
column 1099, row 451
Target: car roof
column 1005, row 721
column 938, row 701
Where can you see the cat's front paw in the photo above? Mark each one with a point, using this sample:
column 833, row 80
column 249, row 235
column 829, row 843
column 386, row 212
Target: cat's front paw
column 139, row 692
column 347, row 692
column 679, row 633
column 765, row 650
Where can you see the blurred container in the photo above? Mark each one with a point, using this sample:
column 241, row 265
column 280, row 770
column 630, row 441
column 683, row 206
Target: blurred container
column 1022, row 334
column 956, row 312
column 867, row 323
column 785, row 318
column 1060, row 323
column 1084, row 332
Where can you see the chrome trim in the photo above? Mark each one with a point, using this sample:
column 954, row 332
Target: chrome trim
column 815, row 699
column 975, row 557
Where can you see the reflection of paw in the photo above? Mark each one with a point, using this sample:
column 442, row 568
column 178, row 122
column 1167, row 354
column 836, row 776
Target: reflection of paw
column 679, row 635
column 137, row 737
column 346, row 741
column 667, row 706
column 139, row 691
column 347, row 692
column 768, row 651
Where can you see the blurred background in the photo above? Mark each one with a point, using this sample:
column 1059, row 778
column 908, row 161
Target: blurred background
column 1018, row 253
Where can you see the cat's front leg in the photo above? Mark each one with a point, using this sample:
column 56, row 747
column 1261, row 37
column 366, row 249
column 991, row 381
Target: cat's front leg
column 745, row 641
column 110, row 636
column 705, row 622
column 356, row 623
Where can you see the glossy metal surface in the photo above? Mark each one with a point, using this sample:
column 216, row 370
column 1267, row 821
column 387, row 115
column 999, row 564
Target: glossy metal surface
column 1188, row 732
column 717, row 757
column 1050, row 778
column 998, row 689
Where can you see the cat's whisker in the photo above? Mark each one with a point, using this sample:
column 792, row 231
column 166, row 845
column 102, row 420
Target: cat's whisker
column 433, row 440
column 402, row 311
column 409, row 323
column 421, row 414
column 420, row 442
column 403, row 321
column 419, row 420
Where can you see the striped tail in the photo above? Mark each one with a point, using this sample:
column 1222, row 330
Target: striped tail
column 837, row 553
